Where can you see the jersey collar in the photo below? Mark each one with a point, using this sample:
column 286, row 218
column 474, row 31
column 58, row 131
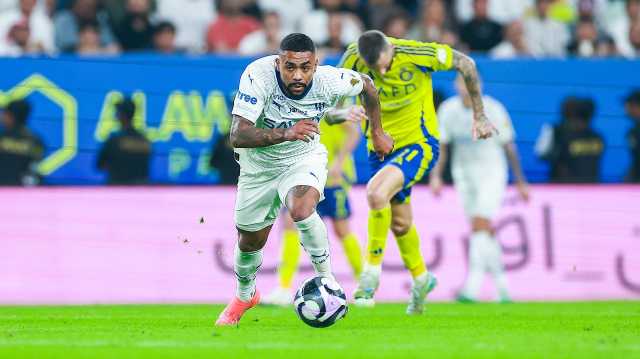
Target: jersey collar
column 286, row 92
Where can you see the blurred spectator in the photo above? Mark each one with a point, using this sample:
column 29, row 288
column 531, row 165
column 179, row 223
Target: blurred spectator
column 334, row 45
column 135, row 31
column 228, row 29
column 222, row 159
column 592, row 9
column 164, row 38
column 434, row 24
column 125, row 155
column 621, row 26
column 589, row 42
column 250, row 8
column 117, row 9
column 397, row 24
column 543, row 35
column 316, row 23
column 24, row 30
column 377, row 12
column 291, row 12
column 265, row 40
column 191, row 18
column 481, row 33
column 359, row 9
column 572, row 148
column 502, row 11
column 632, row 107
column 20, row 149
column 513, row 44
column 68, row 23
column 89, row 41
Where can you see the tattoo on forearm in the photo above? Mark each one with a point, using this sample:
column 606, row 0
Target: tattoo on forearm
column 467, row 68
column 245, row 135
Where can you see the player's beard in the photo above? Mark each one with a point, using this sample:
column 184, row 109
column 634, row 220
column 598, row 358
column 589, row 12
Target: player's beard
column 293, row 89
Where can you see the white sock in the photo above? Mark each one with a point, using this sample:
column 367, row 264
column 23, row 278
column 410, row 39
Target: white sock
column 246, row 266
column 313, row 236
column 477, row 251
column 421, row 279
column 496, row 267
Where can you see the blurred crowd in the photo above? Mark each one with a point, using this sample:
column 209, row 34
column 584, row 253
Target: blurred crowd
column 498, row 28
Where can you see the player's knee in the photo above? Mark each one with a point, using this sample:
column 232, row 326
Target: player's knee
column 400, row 227
column 376, row 199
column 300, row 213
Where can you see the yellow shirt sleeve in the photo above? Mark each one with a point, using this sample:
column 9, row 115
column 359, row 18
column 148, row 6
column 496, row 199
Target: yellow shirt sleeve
column 349, row 57
column 430, row 55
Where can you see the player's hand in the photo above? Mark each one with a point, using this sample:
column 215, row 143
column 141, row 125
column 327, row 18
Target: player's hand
column 356, row 113
column 382, row 144
column 523, row 190
column 435, row 182
column 303, row 130
column 483, row 128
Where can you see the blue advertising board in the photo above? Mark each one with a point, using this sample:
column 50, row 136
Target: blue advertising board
column 184, row 107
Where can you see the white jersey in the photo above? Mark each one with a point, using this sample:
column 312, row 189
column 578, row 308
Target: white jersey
column 262, row 99
column 479, row 156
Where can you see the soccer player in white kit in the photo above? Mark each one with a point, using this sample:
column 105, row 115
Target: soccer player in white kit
column 276, row 112
column 480, row 176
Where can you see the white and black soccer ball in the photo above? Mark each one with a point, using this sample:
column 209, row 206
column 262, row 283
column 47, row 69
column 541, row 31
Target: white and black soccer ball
column 320, row 302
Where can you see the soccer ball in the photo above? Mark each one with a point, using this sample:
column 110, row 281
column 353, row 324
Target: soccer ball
column 320, row 302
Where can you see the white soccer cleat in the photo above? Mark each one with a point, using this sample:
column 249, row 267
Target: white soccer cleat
column 367, row 286
column 281, row 297
column 420, row 288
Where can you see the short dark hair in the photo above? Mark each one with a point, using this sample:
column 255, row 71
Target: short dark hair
column 370, row 45
column 580, row 108
column 20, row 110
column 163, row 26
column 126, row 109
column 297, row 42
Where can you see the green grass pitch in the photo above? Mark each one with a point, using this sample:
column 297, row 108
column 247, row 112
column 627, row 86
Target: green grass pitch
column 525, row 330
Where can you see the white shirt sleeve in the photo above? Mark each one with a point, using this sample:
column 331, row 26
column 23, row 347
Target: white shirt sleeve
column 344, row 83
column 251, row 96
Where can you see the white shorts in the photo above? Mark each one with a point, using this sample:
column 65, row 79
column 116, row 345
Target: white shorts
column 261, row 193
column 481, row 195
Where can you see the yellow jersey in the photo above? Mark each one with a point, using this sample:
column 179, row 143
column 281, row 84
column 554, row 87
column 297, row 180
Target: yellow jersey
column 406, row 93
column 333, row 138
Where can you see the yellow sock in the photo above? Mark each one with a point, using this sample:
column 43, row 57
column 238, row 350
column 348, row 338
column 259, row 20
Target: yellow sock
column 351, row 247
column 290, row 257
column 409, row 247
column 379, row 224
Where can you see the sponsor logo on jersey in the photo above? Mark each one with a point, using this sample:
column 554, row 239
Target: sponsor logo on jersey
column 269, row 123
column 319, row 106
column 247, row 98
column 297, row 110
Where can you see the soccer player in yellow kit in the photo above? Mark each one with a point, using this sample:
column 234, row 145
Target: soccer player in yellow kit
column 340, row 141
column 401, row 70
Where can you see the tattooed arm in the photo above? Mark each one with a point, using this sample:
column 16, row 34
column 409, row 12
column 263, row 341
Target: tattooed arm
column 382, row 142
column 244, row 134
column 466, row 67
